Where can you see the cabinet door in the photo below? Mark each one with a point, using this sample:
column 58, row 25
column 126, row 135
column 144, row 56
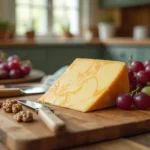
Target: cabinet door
column 60, row 56
column 143, row 53
column 120, row 53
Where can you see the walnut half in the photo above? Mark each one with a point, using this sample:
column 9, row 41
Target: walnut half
column 8, row 104
column 16, row 108
column 24, row 116
column 7, row 107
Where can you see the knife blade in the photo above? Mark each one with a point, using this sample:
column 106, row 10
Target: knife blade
column 53, row 122
column 15, row 90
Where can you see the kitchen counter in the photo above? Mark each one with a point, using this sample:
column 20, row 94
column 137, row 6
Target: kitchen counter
column 41, row 41
column 49, row 41
column 121, row 42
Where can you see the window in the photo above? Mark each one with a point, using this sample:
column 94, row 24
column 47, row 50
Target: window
column 47, row 16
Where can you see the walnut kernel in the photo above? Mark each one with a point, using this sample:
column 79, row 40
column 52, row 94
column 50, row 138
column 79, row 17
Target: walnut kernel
column 16, row 108
column 13, row 101
column 7, row 105
column 24, row 116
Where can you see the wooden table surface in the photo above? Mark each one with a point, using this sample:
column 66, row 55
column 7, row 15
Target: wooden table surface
column 137, row 142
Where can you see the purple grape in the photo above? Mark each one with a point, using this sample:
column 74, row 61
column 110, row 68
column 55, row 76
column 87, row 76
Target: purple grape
column 133, row 86
column 147, row 69
column 4, row 66
column 141, row 100
column 131, row 76
column 137, row 66
column 14, row 74
column 124, row 101
column 147, row 62
column 142, row 77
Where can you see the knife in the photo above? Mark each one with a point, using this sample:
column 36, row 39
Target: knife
column 9, row 91
column 53, row 122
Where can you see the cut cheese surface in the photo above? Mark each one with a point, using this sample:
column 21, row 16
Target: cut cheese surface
column 89, row 84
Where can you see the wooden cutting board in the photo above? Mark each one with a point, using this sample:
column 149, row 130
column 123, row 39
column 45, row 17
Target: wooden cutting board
column 81, row 128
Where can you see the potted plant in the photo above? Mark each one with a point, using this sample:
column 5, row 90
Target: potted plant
column 5, row 27
column 30, row 33
column 106, row 28
column 66, row 31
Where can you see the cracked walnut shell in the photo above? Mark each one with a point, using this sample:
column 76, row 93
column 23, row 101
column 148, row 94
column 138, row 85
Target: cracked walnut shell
column 16, row 108
column 24, row 116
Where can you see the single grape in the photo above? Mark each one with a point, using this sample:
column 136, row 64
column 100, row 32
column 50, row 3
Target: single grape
column 4, row 66
column 142, row 77
column 146, row 90
column 14, row 64
column 137, row 66
column 141, row 100
column 147, row 69
column 147, row 62
column 25, row 69
column 124, row 101
column 14, row 57
column 14, row 74
column 4, row 74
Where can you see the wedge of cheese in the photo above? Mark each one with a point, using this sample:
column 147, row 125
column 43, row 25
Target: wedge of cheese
column 88, row 85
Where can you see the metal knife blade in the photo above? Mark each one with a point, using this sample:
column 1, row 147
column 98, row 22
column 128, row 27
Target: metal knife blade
column 34, row 105
column 23, row 90
column 53, row 122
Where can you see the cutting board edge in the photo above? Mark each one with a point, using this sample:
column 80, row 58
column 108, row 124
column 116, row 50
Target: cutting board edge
column 85, row 137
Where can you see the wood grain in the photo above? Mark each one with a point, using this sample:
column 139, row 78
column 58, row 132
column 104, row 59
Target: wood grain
column 121, row 144
column 143, row 139
column 134, row 16
column 117, row 41
column 81, row 128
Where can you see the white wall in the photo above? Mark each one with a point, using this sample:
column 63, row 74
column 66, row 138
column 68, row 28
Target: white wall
column 7, row 10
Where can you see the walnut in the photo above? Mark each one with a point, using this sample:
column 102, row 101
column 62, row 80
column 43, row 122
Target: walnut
column 24, row 116
column 13, row 101
column 7, row 105
column 1, row 104
column 16, row 108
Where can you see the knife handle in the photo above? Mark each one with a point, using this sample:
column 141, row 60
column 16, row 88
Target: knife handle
column 54, row 123
column 7, row 92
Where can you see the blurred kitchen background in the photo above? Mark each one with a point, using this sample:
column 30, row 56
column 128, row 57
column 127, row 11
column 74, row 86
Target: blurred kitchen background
column 52, row 33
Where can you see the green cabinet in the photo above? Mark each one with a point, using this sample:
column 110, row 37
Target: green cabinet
column 50, row 58
column 122, row 53
column 58, row 57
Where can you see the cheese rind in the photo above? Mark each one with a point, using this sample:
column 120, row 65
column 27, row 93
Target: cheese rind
column 88, row 85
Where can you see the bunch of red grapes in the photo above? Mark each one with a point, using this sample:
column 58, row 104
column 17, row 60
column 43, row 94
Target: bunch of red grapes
column 12, row 68
column 139, row 79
